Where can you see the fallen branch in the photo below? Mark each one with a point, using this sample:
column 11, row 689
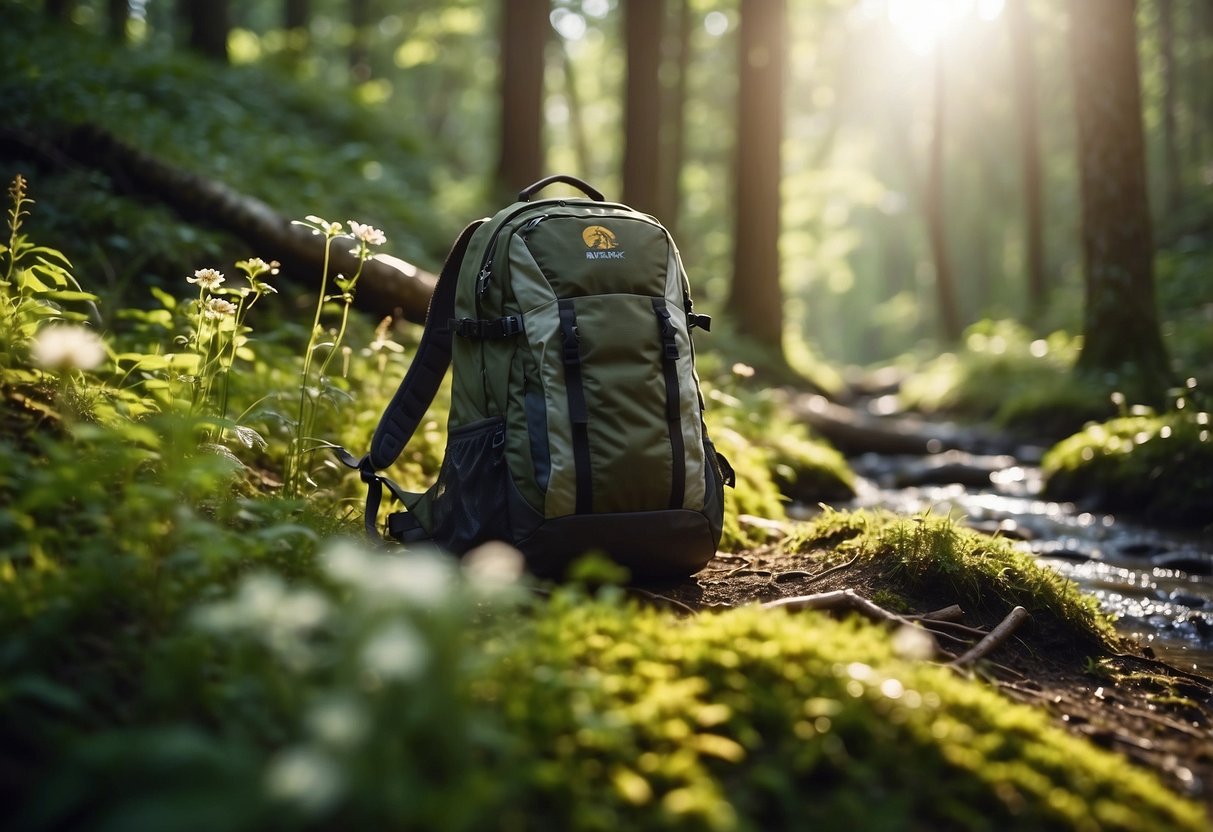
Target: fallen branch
column 952, row 613
column 388, row 286
column 995, row 637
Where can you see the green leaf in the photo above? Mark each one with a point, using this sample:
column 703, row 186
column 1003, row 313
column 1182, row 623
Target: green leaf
column 66, row 296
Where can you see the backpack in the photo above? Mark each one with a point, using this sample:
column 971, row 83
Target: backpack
column 576, row 419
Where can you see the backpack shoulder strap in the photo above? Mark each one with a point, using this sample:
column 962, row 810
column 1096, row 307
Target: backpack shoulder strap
column 419, row 385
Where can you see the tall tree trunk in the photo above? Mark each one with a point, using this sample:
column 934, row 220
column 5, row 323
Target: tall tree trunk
column 1023, row 68
column 675, row 122
column 59, row 9
column 644, row 23
column 950, row 325
column 117, row 14
column 1120, row 328
column 296, row 19
column 572, row 97
column 360, row 54
column 524, row 36
column 208, row 23
column 756, row 300
column 1173, row 190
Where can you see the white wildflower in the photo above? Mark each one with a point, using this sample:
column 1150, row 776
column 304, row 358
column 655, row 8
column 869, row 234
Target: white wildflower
column 208, row 279
column 304, row 776
column 216, row 308
column 396, row 652
column 421, row 578
column 493, row 565
column 366, row 234
column 67, row 347
column 337, row 721
column 913, row 643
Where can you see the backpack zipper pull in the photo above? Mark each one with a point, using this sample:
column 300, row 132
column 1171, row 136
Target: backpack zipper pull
column 533, row 222
column 482, row 279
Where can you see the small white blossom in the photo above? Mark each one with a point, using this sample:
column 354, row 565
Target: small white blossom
column 305, row 777
column 419, row 578
column 67, row 347
column 913, row 643
column 208, row 279
column 216, row 308
column 493, row 565
column 366, row 234
column 396, row 652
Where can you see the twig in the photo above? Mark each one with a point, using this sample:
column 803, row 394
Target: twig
column 954, row 626
column 995, row 637
column 662, row 599
column 952, row 613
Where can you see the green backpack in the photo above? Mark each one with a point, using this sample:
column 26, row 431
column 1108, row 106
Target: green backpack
column 576, row 419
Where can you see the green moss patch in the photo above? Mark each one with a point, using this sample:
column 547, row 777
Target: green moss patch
column 931, row 561
column 1157, row 466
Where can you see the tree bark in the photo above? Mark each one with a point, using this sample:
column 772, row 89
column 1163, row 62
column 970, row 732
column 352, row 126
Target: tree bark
column 945, row 287
column 59, row 9
column 388, row 286
column 755, row 299
column 675, row 123
column 1120, row 328
column 1023, row 67
column 360, row 53
column 208, row 23
column 643, row 26
column 117, row 14
column 524, row 36
column 295, row 15
column 1173, row 182
column 572, row 97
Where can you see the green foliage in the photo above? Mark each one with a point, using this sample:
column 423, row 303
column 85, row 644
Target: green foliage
column 298, row 147
column 1005, row 374
column 392, row 692
column 935, row 557
column 1158, row 466
column 773, row 455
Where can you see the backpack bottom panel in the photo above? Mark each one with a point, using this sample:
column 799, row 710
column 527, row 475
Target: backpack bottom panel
column 652, row 545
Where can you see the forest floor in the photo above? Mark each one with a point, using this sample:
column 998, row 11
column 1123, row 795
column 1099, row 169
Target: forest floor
column 1156, row 715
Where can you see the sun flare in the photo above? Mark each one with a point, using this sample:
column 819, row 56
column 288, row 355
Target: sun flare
column 924, row 23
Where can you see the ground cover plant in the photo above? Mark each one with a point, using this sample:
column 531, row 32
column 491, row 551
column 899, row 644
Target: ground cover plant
column 191, row 638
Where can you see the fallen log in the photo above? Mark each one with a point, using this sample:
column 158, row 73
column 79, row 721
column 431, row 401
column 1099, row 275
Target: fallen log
column 388, row 286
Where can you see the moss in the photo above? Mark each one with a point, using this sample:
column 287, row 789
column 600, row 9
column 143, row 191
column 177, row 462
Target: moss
column 1158, row 466
column 757, row 720
column 1007, row 375
column 934, row 558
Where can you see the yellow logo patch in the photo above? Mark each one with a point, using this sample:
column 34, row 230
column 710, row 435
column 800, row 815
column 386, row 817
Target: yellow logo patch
column 599, row 238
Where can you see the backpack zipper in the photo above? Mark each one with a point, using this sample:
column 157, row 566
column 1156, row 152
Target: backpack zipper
column 485, row 275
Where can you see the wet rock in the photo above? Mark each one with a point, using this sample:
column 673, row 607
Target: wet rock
column 1141, row 548
column 1194, row 563
column 952, row 467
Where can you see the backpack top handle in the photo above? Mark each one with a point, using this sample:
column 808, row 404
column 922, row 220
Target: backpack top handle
column 526, row 193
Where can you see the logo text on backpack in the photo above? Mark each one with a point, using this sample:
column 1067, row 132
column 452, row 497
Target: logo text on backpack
column 601, row 243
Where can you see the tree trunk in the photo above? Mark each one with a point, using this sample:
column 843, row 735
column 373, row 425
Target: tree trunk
column 756, row 300
column 60, row 9
column 1173, row 182
column 1120, row 327
column 643, row 26
column 524, row 36
column 950, row 325
column 360, row 54
column 675, row 123
column 295, row 14
column 208, row 23
column 1023, row 67
column 117, row 14
column 572, row 97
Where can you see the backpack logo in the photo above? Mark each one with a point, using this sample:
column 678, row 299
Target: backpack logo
column 601, row 243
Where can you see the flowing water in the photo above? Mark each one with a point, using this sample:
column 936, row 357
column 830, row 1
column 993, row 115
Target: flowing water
column 1158, row 583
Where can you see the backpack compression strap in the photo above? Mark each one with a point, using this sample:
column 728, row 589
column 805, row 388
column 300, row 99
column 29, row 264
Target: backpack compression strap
column 416, row 390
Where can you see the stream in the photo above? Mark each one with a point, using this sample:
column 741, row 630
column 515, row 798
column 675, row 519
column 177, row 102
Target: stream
column 1158, row 583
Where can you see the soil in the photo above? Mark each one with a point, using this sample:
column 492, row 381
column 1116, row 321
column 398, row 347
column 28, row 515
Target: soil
column 1119, row 697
